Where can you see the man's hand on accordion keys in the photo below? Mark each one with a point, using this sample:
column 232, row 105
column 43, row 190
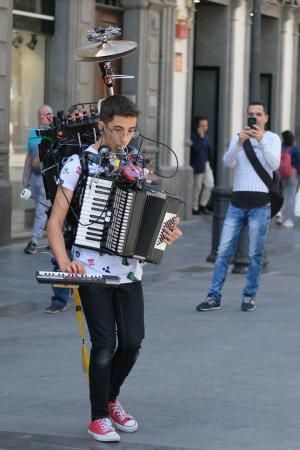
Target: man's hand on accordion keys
column 173, row 233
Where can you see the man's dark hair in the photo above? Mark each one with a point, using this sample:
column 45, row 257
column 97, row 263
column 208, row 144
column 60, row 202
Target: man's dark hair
column 258, row 102
column 287, row 138
column 199, row 119
column 117, row 105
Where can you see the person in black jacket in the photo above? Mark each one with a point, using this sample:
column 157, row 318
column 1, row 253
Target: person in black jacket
column 200, row 161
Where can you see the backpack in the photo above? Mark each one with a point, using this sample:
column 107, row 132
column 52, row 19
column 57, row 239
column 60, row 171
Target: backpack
column 285, row 169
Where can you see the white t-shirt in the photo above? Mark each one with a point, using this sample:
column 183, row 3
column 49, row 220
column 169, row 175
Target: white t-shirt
column 127, row 269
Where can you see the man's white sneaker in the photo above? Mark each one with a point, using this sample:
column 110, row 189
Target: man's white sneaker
column 288, row 223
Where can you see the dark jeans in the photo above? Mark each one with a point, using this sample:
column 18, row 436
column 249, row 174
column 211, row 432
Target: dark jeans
column 115, row 319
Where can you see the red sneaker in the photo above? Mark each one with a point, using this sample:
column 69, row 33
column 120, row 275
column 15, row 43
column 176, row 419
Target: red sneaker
column 121, row 419
column 103, row 430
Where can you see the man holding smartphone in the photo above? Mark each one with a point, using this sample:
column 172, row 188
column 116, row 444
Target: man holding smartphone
column 249, row 207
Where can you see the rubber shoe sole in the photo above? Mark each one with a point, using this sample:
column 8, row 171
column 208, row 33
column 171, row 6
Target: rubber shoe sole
column 55, row 311
column 126, row 429
column 244, row 307
column 30, row 251
column 113, row 437
column 198, row 308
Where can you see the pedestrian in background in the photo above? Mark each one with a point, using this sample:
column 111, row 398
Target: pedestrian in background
column 288, row 172
column 32, row 178
column 201, row 157
column 249, row 207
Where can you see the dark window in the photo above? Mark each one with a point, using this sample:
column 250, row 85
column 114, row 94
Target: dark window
column 117, row 3
column 34, row 24
column 36, row 6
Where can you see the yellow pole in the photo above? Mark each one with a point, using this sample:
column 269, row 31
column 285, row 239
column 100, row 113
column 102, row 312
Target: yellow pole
column 85, row 357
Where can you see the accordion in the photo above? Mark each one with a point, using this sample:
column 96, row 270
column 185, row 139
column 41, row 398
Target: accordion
column 121, row 219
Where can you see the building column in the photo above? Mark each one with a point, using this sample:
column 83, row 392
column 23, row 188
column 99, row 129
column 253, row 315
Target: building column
column 69, row 81
column 152, row 25
column 181, row 91
column 189, row 85
column 239, row 65
column 142, row 24
column 187, row 171
column 5, row 58
column 238, row 73
column 287, row 73
column 295, row 81
column 166, row 79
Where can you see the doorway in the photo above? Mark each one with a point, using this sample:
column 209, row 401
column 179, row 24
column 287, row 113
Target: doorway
column 206, row 103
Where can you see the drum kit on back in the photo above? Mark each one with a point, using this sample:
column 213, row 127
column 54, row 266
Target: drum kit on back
column 65, row 138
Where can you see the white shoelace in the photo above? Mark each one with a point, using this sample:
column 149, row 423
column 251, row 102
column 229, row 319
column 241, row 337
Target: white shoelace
column 211, row 301
column 117, row 408
column 105, row 424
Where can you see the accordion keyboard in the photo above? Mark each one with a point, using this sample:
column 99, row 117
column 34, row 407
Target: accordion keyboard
column 94, row 212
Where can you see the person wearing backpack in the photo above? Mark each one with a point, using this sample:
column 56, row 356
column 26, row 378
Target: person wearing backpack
column 114, row 314
column 288, row 169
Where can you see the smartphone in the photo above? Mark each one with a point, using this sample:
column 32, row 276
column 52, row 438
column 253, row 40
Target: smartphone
column 251, row 122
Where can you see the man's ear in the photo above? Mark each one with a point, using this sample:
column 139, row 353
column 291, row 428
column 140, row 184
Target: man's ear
column 101, row 125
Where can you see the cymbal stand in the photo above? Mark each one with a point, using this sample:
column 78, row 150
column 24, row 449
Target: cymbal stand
column 108, row 76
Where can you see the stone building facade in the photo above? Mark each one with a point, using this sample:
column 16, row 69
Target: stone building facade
column 192, row 59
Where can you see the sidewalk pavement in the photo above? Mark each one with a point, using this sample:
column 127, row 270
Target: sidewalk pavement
column 219, row 380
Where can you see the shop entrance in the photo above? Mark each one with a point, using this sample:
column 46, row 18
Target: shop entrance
column 206, row 102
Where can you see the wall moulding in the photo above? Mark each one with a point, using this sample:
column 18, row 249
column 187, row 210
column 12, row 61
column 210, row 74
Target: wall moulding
column 144, row 4
column 281, row 2
column 273, row 8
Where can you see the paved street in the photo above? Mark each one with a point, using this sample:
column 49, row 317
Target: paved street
column 220, row 380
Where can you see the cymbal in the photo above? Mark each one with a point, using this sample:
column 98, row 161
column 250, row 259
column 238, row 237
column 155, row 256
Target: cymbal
column 105, row 51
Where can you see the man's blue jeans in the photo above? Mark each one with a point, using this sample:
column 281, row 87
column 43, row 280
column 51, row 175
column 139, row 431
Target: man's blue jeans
column 257, row 220
column 60, row 297
column 41, row 206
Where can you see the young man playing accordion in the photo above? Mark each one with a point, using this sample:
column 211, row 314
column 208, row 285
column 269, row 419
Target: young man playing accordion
column 108, row 310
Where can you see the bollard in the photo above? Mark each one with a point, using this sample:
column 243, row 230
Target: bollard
column 5, row 207
column 221, row 198
column 240, row 260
